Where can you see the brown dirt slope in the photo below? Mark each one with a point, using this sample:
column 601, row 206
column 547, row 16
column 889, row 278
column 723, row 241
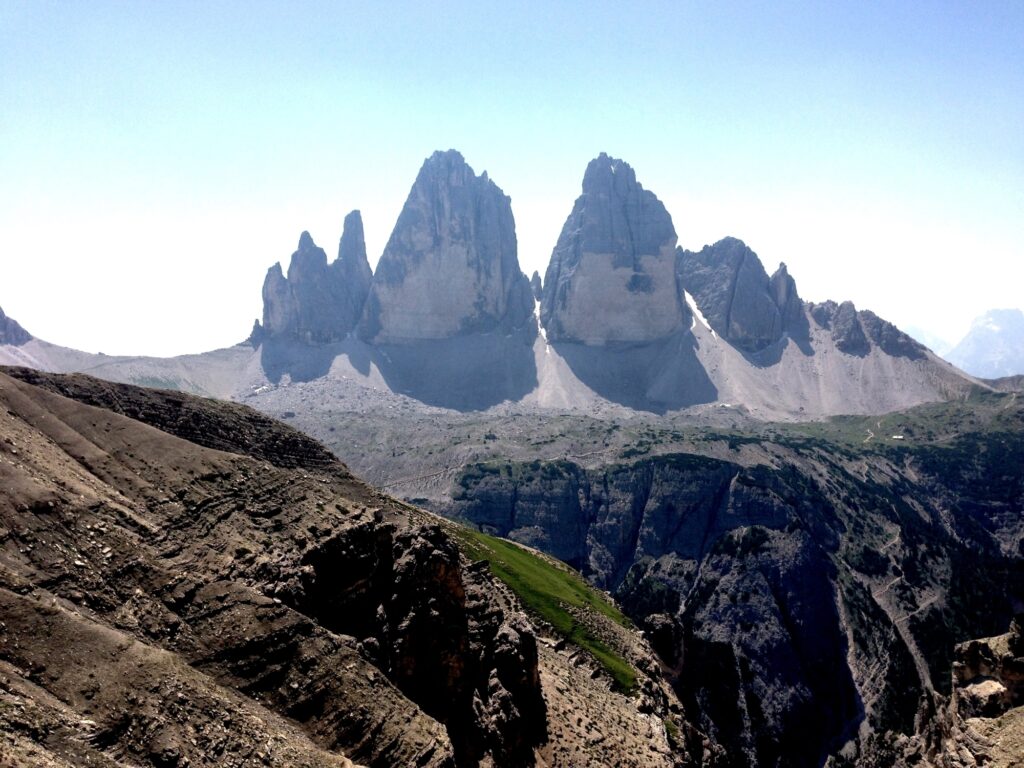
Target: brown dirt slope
column 191, row 606
column 187, row 583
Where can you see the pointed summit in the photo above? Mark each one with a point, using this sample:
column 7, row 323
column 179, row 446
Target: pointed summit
column 739, row 300
column 612, row 273
column 11, row 332
column 351, row 275
column 450, row 266
column 317, row 302
column 352, row 247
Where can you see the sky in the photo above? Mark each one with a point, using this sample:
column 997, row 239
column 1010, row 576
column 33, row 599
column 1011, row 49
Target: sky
column 157, row 158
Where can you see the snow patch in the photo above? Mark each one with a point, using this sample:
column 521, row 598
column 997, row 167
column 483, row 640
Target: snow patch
column 536, row 314
column 697, row 314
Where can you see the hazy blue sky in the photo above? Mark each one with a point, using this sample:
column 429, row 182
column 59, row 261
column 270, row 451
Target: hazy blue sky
column 157, row 157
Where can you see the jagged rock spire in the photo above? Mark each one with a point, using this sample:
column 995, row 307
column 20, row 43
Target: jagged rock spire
column 450, row 266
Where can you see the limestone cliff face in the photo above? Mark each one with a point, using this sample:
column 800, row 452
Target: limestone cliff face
column 351, row 271
column 317, row 302
column 798, row 604
column 611, row 277
column 735, row 294
column 450, row 266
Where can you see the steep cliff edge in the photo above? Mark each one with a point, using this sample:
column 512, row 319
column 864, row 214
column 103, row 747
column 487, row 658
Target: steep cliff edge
column 450, row 266
column 814, row 574
column 192, row 584
column 611, row 277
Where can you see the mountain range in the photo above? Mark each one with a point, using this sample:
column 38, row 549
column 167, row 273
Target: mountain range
column 994, row 347
column 623, row 318
column 802, row 516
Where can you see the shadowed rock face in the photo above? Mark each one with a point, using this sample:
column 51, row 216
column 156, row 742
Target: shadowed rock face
column 737, row 297
column 536, row 286
column 791, row 309
column 11, row 332
column 317, row 302
column 351, row 270
column 450, row 266
column 855, row 332
column 611, row 276
column 800, row 604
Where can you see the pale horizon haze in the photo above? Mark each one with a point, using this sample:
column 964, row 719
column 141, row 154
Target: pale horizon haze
column 157, row 158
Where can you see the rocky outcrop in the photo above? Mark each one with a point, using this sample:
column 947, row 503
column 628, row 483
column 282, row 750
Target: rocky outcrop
column 888, row 337
column 252, row 604
column 536, row 286
column 988, row 675
column 318, row 302
column 611, row 277
column 736, row 296
column 856, row 332
column 450, row 267
column 11, row 332
column 782, row 288
column 806, row 582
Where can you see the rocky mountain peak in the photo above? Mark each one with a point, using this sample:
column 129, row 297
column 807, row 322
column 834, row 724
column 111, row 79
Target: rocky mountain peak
column 536, row 286
column 11, row 332
column 450, row 266
column 994, row 346
column 791, row 309
column 735, row 294
column 352, row 247
column 308, row 262
column 317, row 302
column 611, row 276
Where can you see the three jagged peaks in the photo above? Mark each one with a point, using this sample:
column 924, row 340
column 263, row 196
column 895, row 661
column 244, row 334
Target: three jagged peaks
column 616, row 281
column 623, row 317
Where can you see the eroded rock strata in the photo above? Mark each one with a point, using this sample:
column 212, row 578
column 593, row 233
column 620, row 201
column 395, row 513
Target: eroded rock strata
column 187, row 582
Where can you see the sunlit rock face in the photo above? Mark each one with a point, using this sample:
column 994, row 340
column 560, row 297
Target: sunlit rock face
column 450, row 266
column 612, row 276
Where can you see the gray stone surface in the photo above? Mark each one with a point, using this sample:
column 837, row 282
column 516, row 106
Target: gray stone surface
column 450, row 266
column 317, row 302
column 11, row 332
column 611, row 276
column 536, row 286
column 843, row 321
column 735, row 294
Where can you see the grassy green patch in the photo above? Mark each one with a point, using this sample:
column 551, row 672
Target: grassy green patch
column 548, row 590
column 672, row 731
